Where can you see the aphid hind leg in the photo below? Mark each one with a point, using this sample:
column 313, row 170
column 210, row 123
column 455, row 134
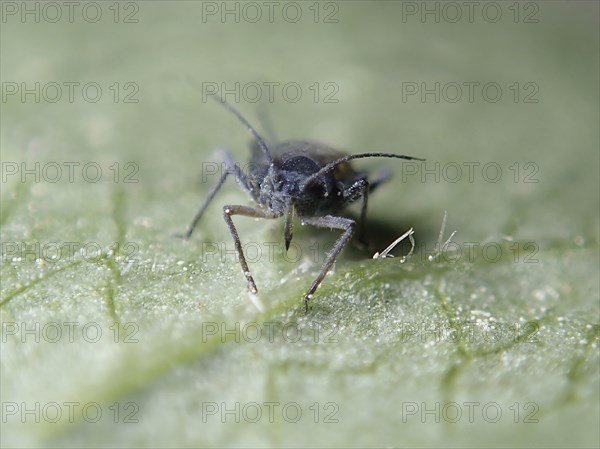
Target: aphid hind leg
column 231, row 168
column 328, row 221
column 246, row 211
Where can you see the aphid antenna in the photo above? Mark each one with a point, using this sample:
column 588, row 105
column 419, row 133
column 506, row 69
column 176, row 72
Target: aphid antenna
column 330, row 166
column 249, row 127
column 259, row 139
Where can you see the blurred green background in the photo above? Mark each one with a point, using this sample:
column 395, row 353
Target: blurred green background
column 474, row 351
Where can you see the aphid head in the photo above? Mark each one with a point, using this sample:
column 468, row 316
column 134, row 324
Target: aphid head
column 297, row 169
column 283, row 186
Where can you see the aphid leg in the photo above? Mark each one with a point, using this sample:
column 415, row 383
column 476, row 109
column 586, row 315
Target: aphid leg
column 289, row 226
column 362, row 224
column 328, row 221
column 232, row 168
column 360, row 189
column 246, row 211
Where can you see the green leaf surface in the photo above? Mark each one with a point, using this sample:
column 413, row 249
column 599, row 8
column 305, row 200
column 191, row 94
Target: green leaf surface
column 493, row 342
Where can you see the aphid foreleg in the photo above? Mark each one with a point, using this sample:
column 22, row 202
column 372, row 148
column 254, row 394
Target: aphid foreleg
column 360, row 189
column 328, row 221
column 289, row 226
column 232, row 168
column 246, row 211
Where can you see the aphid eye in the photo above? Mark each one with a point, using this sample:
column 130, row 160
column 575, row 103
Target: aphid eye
column 326, row 190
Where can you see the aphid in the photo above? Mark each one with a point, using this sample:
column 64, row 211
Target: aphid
column 302, row 179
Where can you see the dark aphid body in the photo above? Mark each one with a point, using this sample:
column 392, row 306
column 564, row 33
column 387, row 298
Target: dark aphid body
column 296, row 178
column 293, row 162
